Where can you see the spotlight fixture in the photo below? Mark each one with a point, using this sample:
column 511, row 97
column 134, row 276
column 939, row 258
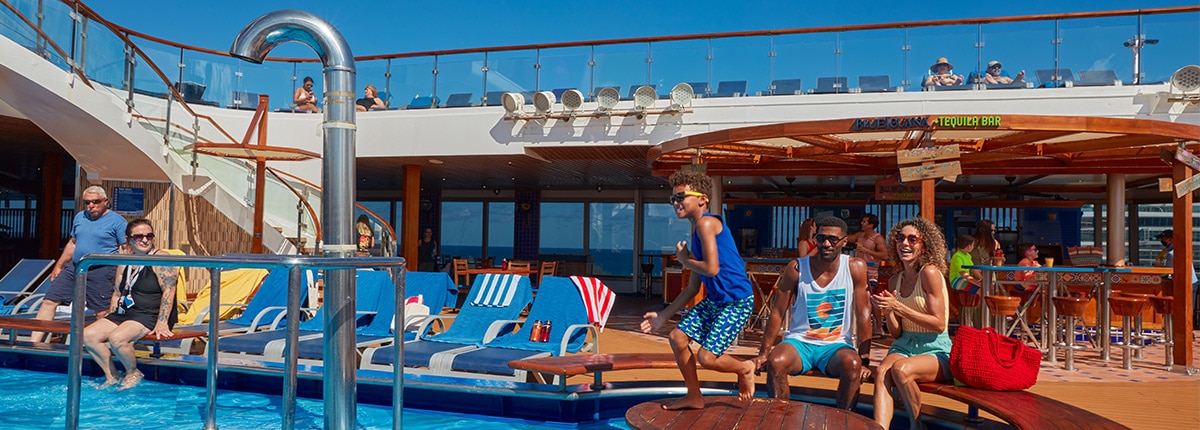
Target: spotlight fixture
column 572, row 100
column 513, row 102
column 1185, row 80
column 644, row 97
column 608, row 98
column 543, row 102
column 681, row 96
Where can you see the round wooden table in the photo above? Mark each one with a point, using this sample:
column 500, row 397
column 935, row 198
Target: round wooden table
column 722, row 412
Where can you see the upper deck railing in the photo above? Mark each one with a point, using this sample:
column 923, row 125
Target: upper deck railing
column 1060, row 44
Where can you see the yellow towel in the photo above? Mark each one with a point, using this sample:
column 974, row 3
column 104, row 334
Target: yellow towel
column 236, row 288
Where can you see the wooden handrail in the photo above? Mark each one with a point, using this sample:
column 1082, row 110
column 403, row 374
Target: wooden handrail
column 720, row 35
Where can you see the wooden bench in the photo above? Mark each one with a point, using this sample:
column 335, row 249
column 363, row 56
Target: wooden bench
column 60, row 326
column 1022, row 409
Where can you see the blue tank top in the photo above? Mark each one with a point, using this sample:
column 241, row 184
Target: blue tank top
column 731, row 282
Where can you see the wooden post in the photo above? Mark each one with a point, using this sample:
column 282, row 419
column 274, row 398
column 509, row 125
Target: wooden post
column 928, row 194
column 410, row 218
column 1181, row 307
column 50, row 206
column 260, row 180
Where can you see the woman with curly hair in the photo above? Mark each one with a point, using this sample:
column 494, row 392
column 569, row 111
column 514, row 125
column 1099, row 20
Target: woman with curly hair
column 916, row 313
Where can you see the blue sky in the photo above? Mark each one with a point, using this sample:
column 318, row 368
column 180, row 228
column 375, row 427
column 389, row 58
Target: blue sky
column 378, row 27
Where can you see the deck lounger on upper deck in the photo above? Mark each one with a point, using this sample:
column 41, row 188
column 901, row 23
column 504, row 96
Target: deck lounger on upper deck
column 560, row 302
column 1049, row 80
column 15, row 284
column 730, row 89
column 493, row 98
column 700, row 89
column 433, row 287
column 421, row 102
column 244, row 100
column 789, row 87
column 458, row 100
column 830, row 86
column 493, row 299
column 268, row 345
column 875, row 84
column 1097, row 78
column 267, row 305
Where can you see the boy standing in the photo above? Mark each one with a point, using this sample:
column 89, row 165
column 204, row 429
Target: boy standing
column 960, row 278
column 716, row 321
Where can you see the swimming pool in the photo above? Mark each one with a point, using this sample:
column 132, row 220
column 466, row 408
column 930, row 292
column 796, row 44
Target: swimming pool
column 37, row 400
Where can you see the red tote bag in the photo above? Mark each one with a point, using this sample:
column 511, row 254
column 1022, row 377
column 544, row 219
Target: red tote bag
column 985, row 359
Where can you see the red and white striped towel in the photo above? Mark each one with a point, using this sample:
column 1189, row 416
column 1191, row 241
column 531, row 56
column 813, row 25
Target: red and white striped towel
column 597, row 298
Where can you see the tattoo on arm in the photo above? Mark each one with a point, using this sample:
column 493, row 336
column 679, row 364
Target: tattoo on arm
column 168, row 277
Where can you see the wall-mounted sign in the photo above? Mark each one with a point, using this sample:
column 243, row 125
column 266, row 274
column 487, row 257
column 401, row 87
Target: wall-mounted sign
column 1188, row 158
column 892, row 189
column 950, row 171
column 966, row 121
column 129, row 201
column 890, row 123
column 919, row 155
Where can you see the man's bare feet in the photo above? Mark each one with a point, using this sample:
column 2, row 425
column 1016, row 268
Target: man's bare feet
column 746, row 382
column 132, row 379
column 686, row 402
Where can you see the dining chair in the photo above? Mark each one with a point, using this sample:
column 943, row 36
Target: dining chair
column 518, row 265
column 460, row 272
column 549, row 268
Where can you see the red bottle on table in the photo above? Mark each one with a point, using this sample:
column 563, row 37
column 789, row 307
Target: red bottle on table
column 546, row 331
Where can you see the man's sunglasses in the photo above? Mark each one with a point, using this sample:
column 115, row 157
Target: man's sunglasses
column 821, row 238
column 93, row 202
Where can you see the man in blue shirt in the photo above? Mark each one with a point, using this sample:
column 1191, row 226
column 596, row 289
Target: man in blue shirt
column 94, row 230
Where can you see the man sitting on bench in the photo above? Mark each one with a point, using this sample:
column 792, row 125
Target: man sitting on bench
column 829, row 291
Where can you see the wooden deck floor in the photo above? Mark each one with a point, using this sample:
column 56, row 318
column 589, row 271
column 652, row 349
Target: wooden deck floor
column 1145, row 398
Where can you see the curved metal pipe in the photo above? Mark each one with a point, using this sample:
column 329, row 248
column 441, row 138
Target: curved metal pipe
column 337, row 211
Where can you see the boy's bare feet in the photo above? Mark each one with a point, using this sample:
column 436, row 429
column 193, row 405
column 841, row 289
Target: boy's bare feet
column 686, row 402
column 746, row 381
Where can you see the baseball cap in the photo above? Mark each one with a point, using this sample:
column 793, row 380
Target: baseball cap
column 1168, row 233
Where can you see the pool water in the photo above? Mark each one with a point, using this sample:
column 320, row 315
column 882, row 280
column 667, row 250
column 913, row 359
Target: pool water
column 37, row 400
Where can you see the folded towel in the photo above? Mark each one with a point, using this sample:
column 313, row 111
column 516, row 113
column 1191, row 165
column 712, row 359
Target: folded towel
column 495, row 290
column 597, row 298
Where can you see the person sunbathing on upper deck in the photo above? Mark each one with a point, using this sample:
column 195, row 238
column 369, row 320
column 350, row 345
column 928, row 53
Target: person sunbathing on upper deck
column 943, row 74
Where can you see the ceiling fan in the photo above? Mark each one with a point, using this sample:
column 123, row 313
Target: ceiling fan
column 1013, row 190
column 788, row 191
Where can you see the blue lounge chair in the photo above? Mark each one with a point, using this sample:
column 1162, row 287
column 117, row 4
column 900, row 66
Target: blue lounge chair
column 558, row 302
column 786, row 87
column 1097, row 78
column 633, row 90
column 458, row 100
column 700, row 89
column 836, row 85
column 421, row 102
column 730, row 89
column 493, row 98
column 15, row 285
column 266, row 309
column 494, row 301
column 875, row 84
column 1049, row 80
column 268, row 345
column 432, row 286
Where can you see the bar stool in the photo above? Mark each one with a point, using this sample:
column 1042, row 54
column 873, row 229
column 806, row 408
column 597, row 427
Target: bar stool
column 1162, row 306
column 1002, row 307
column 1070, row 308
column 1127, row 308
column 1088, row 292
column 1138, row 332
column 967, row 304
column 648, row 278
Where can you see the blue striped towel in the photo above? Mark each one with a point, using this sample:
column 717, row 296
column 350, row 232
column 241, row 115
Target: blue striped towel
column 496, row 290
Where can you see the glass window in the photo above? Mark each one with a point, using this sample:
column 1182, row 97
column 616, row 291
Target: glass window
column 501, row 217
column 662, row 230
column 610, row 238
column 462, row 231
column 561, row 228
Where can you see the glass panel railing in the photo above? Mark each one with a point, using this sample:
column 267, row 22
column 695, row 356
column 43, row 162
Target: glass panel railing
column 15, row 29
column 512, row 71
column 1018, row 46
column 391, row 90
column 873, row 61
column 209, row 79
column 956, row 43
column 1177, row 36
column 618, row 66
column 461, row 74
column 103, row 58
column 411, row 78
column 743, row 62
column 564, row 68
column 675, row 62
column 271, row 78
column 807, row 57
column 1095, row 45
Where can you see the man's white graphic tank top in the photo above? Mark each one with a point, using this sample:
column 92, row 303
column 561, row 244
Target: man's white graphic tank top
column 822, row 316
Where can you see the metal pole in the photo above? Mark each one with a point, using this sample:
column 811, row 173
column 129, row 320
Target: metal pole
column 398, row 279
column 75, row 349
column 252, row 44
column 210, row 385
column 290, row 355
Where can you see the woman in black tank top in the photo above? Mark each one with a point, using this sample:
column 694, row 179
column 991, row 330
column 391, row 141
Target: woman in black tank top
column 143, row 303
